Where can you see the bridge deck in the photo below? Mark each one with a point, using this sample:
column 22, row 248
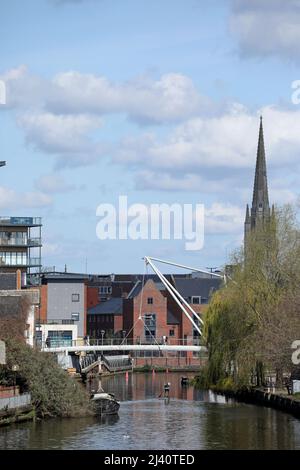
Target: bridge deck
column 126, row 347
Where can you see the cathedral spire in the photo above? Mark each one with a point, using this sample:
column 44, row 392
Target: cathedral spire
column 260, row 201
column 260, row 210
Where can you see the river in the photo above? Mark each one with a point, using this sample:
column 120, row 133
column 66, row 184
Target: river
column 192, row 419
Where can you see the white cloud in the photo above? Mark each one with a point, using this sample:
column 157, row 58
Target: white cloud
column 228, row 141
column 267, row 27
column 67, row 136
column 171, row 98
column 25, row 90
column 223, row 218
column 204, row 149
column 11, row 199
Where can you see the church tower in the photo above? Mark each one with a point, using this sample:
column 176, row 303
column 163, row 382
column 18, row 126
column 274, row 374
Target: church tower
column 260, row 210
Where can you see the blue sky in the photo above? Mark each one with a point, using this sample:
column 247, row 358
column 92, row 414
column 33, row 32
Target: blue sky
column 159, row 101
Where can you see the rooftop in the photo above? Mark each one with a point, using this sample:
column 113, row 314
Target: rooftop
column 113, row 306
column 202, row 287
column 21, row 221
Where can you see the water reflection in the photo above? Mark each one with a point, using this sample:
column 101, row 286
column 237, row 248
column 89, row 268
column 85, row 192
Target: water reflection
column 191, row 419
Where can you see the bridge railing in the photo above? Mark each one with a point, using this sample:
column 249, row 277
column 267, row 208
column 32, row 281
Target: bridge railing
column 119, row 342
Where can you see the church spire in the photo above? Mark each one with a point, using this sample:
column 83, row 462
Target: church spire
column 260, row 210
column 260, row 202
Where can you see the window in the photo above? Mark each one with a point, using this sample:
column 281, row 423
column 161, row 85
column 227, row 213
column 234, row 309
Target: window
column 59, row 338
column 67, row 322
column 196, row 300
column 171, row 333
column 12, row 258
column 75, row 316
column 75, row 297
column 150, row 300
column 105, row 290
column 150, row 326
column 204, row 300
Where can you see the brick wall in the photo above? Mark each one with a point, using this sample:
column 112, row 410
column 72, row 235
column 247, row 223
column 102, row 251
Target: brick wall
column 118, row 323
column 92, row 296
column 7, row 392
column 42, row 311
column 159, row 307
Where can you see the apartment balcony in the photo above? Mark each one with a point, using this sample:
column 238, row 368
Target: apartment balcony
column 22, row 242
column 20, row 221
column 20, row 263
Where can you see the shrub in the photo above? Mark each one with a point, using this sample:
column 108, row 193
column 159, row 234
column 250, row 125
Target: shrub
column 53, row 392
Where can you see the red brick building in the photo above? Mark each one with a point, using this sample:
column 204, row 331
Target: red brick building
column 160, row 315
column 107, row 317
column 151, row 303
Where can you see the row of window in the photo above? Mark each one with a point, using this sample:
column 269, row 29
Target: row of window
column 100, row 318
column 12, row 258
column 196, row 300
column 17, row 235
column 105, row 290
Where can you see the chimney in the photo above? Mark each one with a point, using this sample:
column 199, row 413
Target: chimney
column 19, row 279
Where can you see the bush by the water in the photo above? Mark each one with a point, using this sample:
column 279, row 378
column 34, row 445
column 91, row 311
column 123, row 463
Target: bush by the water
column 53, row 392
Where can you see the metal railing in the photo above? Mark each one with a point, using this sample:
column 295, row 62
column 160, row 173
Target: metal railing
column 112, row 363
column 13, row 241
column 15, row 262
column 140, row 342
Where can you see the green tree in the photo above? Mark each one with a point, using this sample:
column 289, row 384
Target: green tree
column 250, row 322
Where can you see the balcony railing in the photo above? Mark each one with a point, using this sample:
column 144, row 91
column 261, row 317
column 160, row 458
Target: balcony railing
column 31, row 262
column 25, row 221
column 129, row 341
column 20, row 241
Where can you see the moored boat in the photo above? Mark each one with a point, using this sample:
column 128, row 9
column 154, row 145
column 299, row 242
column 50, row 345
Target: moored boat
column 105, row 403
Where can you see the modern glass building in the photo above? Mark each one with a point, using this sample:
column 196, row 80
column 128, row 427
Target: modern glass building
column 20, row 247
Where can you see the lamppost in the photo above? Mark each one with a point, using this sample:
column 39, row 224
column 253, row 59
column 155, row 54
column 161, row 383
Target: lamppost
column 2, row 163
column 102, row 334
column 15, row 368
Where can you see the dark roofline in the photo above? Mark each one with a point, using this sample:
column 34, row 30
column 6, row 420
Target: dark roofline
column 113, row 306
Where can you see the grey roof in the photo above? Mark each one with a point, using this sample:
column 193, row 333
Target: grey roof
column 48, row 277
column 197, row 287
column 113, row 306
column 8, row 281
column 138, row 286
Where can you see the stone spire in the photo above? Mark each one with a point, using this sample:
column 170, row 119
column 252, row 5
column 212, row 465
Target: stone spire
column 260, row 210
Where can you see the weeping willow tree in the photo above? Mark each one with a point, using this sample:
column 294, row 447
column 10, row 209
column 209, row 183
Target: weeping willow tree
column 252, row 320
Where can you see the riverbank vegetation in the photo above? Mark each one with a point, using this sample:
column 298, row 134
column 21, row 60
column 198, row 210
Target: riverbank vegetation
column 252, row 321
column 53, row 392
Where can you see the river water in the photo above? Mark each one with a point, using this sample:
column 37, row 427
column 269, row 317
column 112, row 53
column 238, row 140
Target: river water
column 191, row 419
